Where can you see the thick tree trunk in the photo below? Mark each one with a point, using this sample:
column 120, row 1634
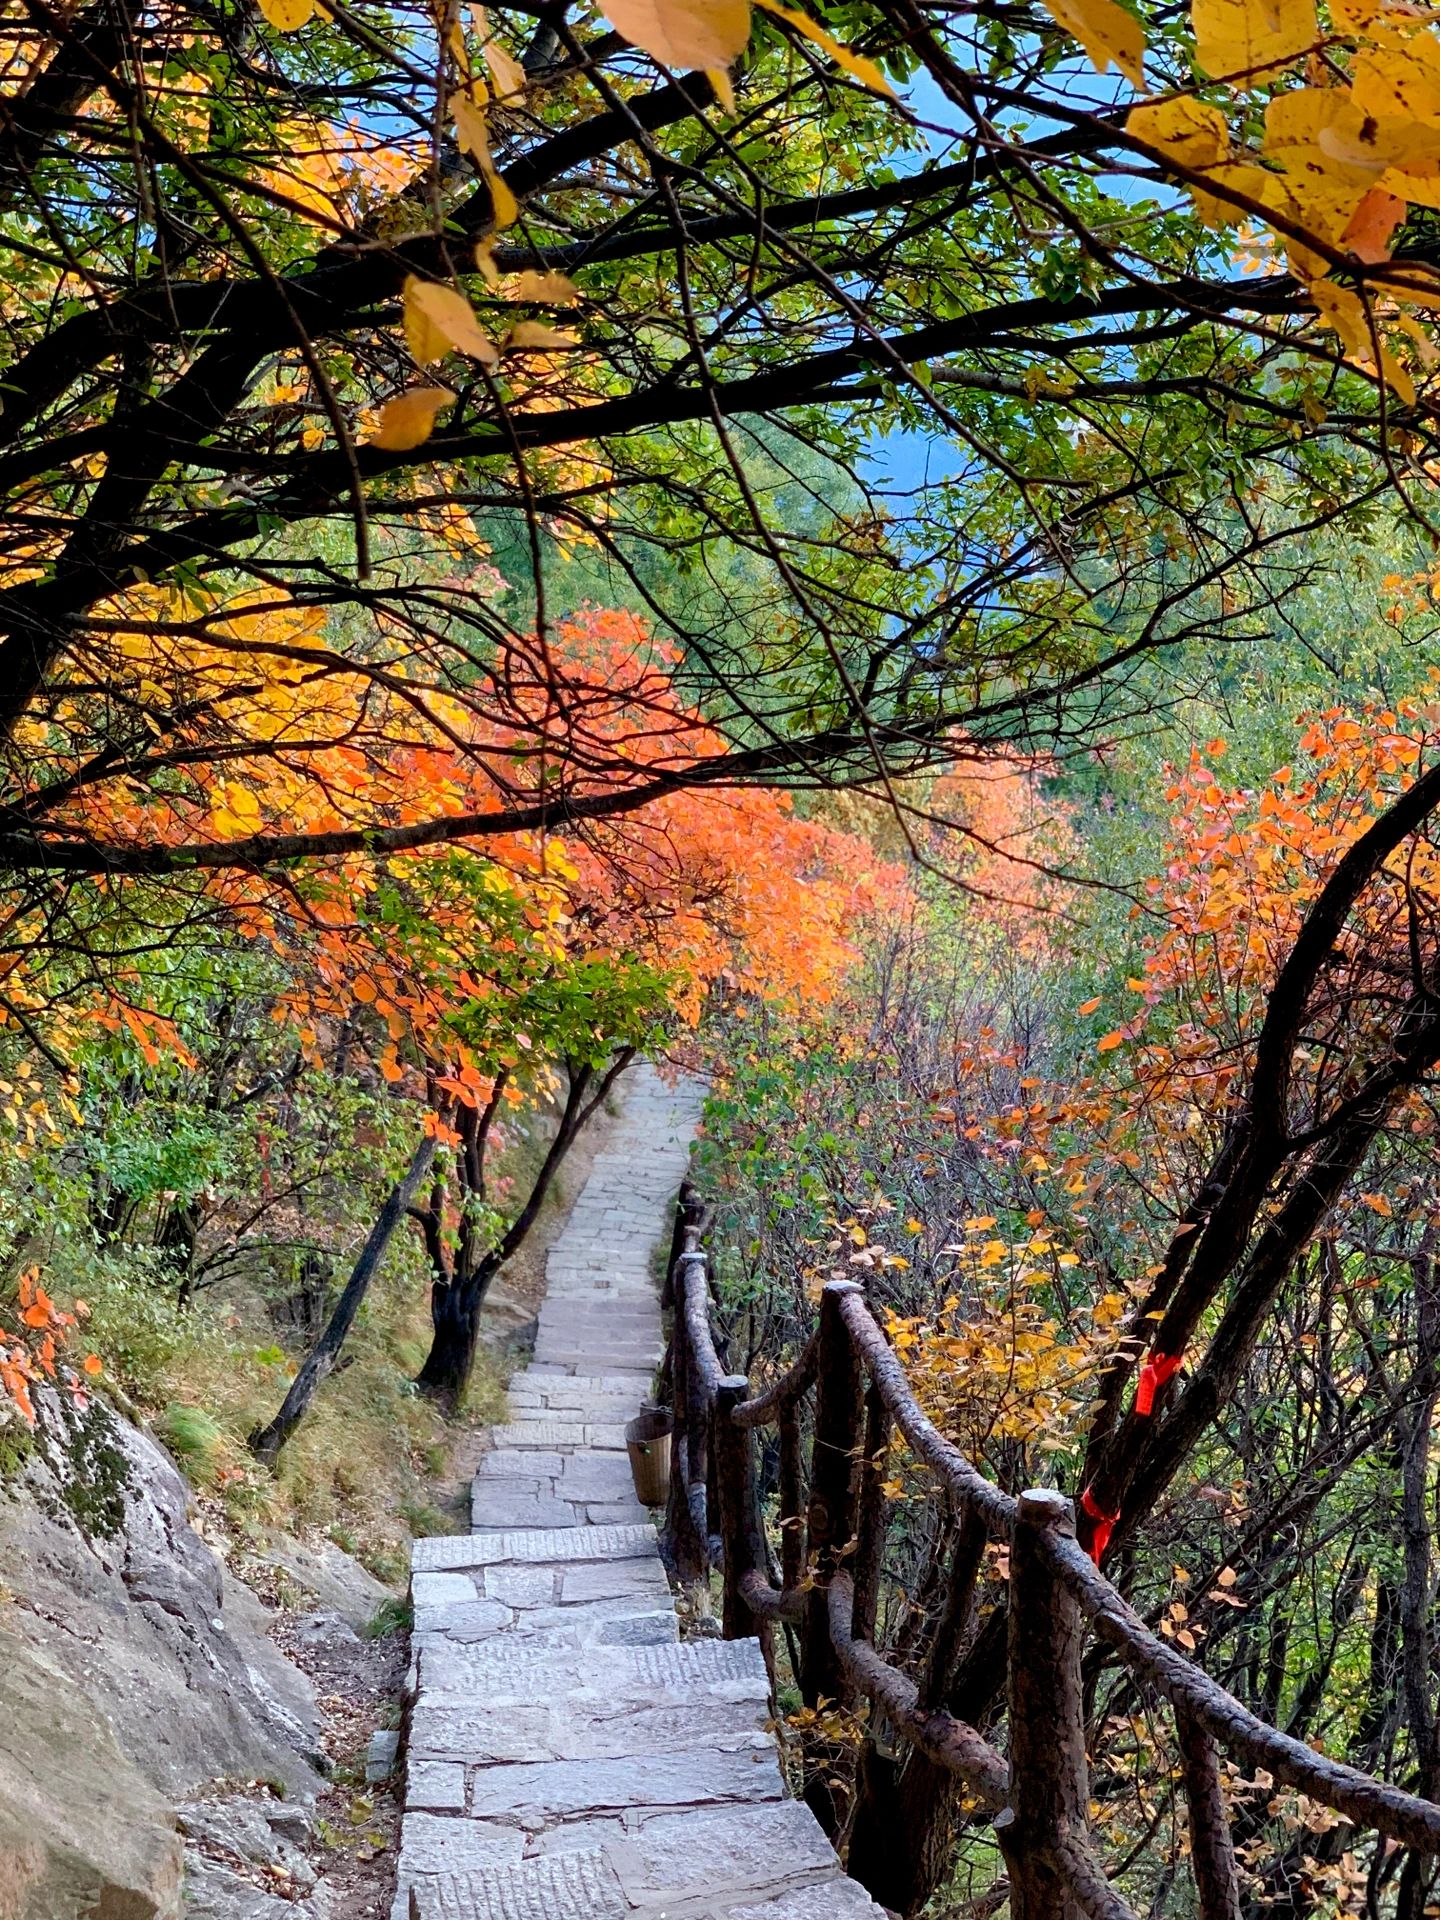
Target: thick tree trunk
column 455, row 1319
column 266, row 1442
column 455, row 1303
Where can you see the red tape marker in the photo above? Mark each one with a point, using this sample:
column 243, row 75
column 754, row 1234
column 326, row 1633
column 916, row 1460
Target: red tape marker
column 1105, row 1524
column 1153, row 1375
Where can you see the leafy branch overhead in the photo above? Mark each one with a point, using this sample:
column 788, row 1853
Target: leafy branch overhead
column 682, row 285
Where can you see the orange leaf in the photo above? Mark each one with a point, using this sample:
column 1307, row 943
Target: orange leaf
column 1112, row 1040
column 1372, row 226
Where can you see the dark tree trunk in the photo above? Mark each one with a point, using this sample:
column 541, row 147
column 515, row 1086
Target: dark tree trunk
column 266, row 1442
column 456, row 1300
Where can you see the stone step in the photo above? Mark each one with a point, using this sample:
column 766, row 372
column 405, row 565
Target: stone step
column 576, row 1727
column 681, row 1672
column 529, row 1547
column 767, row 1862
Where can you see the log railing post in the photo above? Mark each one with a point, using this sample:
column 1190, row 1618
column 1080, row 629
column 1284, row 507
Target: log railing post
column 692, row 1304
column 733, row 1453
column 792, row 1498
column 870, row 1525
column 1049, row 1776
column 687, row 1214
column 830, row 1514
column 686, row 1540
column 1212, row 1852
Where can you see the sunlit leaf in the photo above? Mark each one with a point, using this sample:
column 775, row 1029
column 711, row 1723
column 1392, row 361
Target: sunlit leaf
column 534, row 333
column 286, row 15
column 409, row 419
column 723, row 88
column 547, row 289
column 1109, row 35
column 683, row 33
column 446, row 316
column 1240, row 38
column 1186, row 130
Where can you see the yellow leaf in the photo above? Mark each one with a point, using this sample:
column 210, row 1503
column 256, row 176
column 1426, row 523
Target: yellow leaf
column 1109, row 35
column 1188, row 131
column 1216, row 205
column 1418, row 183
column 1237, row 38
column 1355, row 16
column 409, row 419
column 427, row 342
column 683, row 33
column 865, row 71
column 1399, row 83
column 1319, row 130
column 534, row 333
column 1343, row 312
column 549, row 289
column 471, row 129
column 1417, row 283
column 722, row 87
column 502, row 200
column 450, row 318
column 505, row 70
column 485, row 261
column 286, row 15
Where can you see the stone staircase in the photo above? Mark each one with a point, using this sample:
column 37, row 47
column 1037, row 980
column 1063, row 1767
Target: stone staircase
column 569, row 1757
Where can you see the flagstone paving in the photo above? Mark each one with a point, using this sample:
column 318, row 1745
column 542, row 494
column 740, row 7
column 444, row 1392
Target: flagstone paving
column 569, row 1757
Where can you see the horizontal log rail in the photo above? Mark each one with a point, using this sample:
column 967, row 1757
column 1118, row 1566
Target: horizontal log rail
column 833, row 1521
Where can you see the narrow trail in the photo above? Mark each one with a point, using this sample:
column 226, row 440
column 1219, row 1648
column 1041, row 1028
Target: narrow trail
column 569, row 1757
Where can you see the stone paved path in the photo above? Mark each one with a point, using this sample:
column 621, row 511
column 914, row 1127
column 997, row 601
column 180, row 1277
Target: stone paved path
column 569, row 1757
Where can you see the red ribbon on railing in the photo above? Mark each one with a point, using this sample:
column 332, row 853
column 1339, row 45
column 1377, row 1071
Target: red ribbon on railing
column 1159, row 1368
column 1105, row 1524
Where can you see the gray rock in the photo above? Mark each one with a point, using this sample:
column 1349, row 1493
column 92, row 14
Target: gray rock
column 239, row 1827
column 325, row 1630
column 82, row 1829
column 494, row 1506
column 330, row 1579
column 213, row 1892
column 524, row 1586
column 381, row 1755
column 157, row 1675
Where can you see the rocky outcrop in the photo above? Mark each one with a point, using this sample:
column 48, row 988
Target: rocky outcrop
column 133, row 1671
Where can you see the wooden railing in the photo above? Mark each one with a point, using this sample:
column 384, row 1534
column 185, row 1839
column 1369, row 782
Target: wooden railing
column 826, row 1587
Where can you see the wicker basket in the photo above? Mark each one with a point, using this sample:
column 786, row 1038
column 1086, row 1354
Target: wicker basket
column 647, row 1441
